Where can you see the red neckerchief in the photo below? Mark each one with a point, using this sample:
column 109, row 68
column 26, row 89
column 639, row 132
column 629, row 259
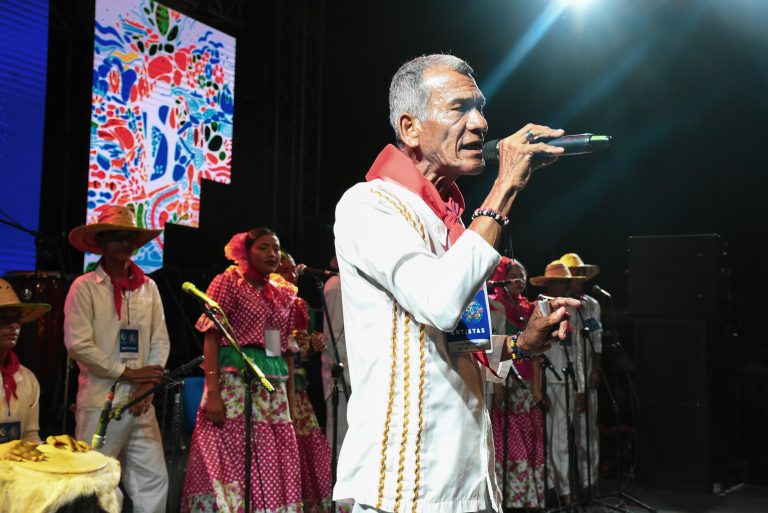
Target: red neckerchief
column 270, row 291
column 135, row 280
column 394, row 166
column 7, row 370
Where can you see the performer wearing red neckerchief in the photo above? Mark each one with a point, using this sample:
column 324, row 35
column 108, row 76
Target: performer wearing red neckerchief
column 419, row 435
column 20, row 391
column 518, row 429
column 114, row 328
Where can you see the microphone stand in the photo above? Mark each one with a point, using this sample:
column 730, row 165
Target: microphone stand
column 617, row 344
column 546, row 363
column 250, row 372
column 585, row 361
column 337, row 371
column 570, row 381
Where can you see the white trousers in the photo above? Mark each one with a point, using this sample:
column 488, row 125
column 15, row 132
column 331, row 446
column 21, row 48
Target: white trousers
column 581, row 428
column 557, row 438
column 136, row 442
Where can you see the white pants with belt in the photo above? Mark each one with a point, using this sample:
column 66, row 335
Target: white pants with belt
column 136, row 442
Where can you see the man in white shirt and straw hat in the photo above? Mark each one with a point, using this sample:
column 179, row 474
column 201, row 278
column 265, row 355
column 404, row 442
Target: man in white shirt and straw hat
column 19, row 389
column 115, row 329
column 556, row 281
column 587, row 321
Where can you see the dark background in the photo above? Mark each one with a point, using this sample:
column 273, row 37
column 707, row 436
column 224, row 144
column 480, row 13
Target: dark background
column 680, row 85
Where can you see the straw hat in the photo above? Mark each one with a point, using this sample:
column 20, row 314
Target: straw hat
column 555, row 271
column 112, row 218
column 577, row 266
column 9, row 299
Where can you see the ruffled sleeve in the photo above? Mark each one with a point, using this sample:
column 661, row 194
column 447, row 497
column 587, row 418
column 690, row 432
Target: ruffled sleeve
column 223, row 290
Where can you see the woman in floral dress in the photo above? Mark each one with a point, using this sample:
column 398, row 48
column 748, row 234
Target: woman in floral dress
column 314, row 451
column 523, row 445
column 260, row 314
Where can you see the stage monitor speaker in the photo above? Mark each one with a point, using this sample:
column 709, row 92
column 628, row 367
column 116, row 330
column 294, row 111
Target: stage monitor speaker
column 677, row 254
column 682, row 444
column 677, row 295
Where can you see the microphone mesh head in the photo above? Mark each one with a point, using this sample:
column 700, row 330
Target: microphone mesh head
column 491, row 150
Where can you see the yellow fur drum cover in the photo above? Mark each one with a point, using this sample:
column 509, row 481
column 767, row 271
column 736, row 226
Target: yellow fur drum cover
column 45, row 486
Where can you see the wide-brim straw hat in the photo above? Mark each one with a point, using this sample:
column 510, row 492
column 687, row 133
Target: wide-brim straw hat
column 555, row 271
column 577, row 266
column 112, row 218
column 29, row 311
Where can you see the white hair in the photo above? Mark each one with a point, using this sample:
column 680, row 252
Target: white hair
column 407, row 92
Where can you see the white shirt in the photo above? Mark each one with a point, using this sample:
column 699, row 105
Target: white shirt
column 590, row 309
column 91, row 331
column 560, row 353
column 25, row 409
column 383, row 257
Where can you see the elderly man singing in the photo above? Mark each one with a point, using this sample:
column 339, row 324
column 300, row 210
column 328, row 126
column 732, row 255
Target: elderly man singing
column 419, row 436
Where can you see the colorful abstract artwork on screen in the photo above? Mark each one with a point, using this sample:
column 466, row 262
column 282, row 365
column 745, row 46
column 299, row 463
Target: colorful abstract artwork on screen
column 161, row 116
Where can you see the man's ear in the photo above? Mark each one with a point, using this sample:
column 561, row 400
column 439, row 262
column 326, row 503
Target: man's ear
column 410, row 129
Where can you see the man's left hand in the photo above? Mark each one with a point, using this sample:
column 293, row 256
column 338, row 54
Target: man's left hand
column 542, row 330
column 142, row 406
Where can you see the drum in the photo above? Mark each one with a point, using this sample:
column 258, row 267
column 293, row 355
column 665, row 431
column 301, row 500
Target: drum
column 65, row 481
column 191, row 397
column 41, row 343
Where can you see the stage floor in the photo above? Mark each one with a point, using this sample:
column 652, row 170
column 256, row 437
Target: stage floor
column 745, row 499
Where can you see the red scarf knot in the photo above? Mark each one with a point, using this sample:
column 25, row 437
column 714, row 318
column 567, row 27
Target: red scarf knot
column 7, row 370
column 395, row 166
column 135, row 280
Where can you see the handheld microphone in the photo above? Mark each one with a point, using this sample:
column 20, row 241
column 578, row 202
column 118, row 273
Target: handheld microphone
column 190, row 289
column 576, row 144
column 99, row 436
column 599, row 290
column 303, row 270
column 183, row 369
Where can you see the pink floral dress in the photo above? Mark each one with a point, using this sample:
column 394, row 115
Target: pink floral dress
column 524, row 439
column 215, row 479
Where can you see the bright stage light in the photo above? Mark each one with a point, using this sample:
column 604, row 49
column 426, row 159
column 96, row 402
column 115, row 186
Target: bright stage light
column 575, row 3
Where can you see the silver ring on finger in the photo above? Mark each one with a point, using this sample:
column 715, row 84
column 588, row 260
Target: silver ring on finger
column 529, row 136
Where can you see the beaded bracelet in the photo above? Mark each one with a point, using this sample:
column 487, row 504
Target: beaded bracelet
column 514, row 351
column 495, row 214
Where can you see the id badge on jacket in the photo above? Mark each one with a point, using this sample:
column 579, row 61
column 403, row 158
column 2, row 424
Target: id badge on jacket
column 272, row 342
column 473, row 332
column 128, row 339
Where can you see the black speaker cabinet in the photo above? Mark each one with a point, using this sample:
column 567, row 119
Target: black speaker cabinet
column 685, row 419
column 677, row 295
column 690, row 254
